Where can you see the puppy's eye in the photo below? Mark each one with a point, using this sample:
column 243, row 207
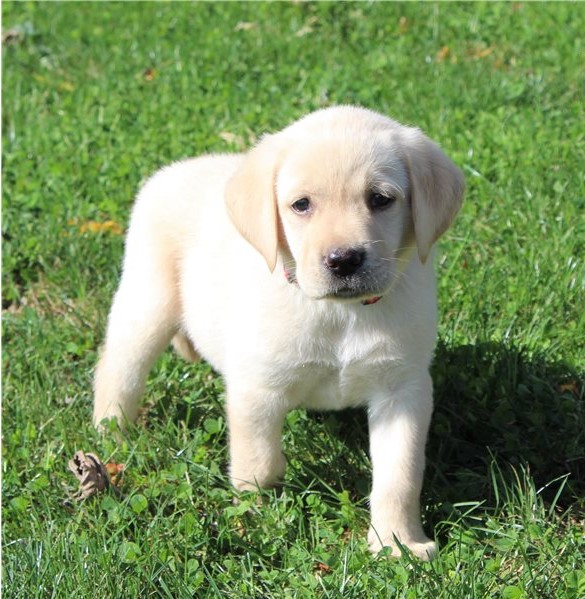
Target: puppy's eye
column 379, row 201
column 301, row 206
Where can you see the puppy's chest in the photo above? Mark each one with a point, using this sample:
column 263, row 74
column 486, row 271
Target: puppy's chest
column 323, row 387
column 336, row 372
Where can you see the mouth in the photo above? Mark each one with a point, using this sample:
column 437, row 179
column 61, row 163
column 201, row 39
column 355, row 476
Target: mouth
column 366, row 296
column 345, row 293
column 367, row 286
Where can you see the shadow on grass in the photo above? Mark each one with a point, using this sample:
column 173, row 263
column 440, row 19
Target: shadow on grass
column 493, row 402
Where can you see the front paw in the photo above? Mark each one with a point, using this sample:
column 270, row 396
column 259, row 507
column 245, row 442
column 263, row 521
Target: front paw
column 423, row 548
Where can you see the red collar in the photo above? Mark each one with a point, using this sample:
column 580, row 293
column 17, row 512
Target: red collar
column 290, row 276
column 371, row 300
column 292, row 279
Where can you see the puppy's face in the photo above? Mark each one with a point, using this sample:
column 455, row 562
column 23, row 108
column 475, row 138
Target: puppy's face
column 346, row 223
column 344, row 196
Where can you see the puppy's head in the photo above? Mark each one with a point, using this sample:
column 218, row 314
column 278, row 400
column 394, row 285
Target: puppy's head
column 347, row 197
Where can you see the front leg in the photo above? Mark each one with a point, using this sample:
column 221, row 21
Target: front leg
column 399, row 424
column 255, row 421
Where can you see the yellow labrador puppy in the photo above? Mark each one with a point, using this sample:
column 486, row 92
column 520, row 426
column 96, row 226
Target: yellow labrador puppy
column 302, row 272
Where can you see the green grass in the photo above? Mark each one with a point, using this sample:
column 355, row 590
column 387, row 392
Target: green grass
column 95, row 97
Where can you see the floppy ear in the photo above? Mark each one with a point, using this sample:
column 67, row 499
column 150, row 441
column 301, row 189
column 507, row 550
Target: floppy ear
column 250, row 199
column 436, row 190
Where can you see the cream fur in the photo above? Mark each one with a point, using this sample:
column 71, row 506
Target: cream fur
column 208, row 241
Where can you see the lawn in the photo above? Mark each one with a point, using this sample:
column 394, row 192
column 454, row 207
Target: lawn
column 95, row 97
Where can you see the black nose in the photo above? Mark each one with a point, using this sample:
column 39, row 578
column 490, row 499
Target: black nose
column 344, row 262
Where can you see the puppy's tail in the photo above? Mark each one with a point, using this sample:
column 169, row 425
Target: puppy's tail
column 183, row 346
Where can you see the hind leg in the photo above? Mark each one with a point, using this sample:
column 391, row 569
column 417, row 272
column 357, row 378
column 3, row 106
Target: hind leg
column 144, row 317
column 139, row 329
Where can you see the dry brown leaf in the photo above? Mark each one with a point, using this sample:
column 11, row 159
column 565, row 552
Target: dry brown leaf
column 443, row 53
column 108, row 226
column 115, row 472
column 321, row 569
column 92, row 474
column 480, row 52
